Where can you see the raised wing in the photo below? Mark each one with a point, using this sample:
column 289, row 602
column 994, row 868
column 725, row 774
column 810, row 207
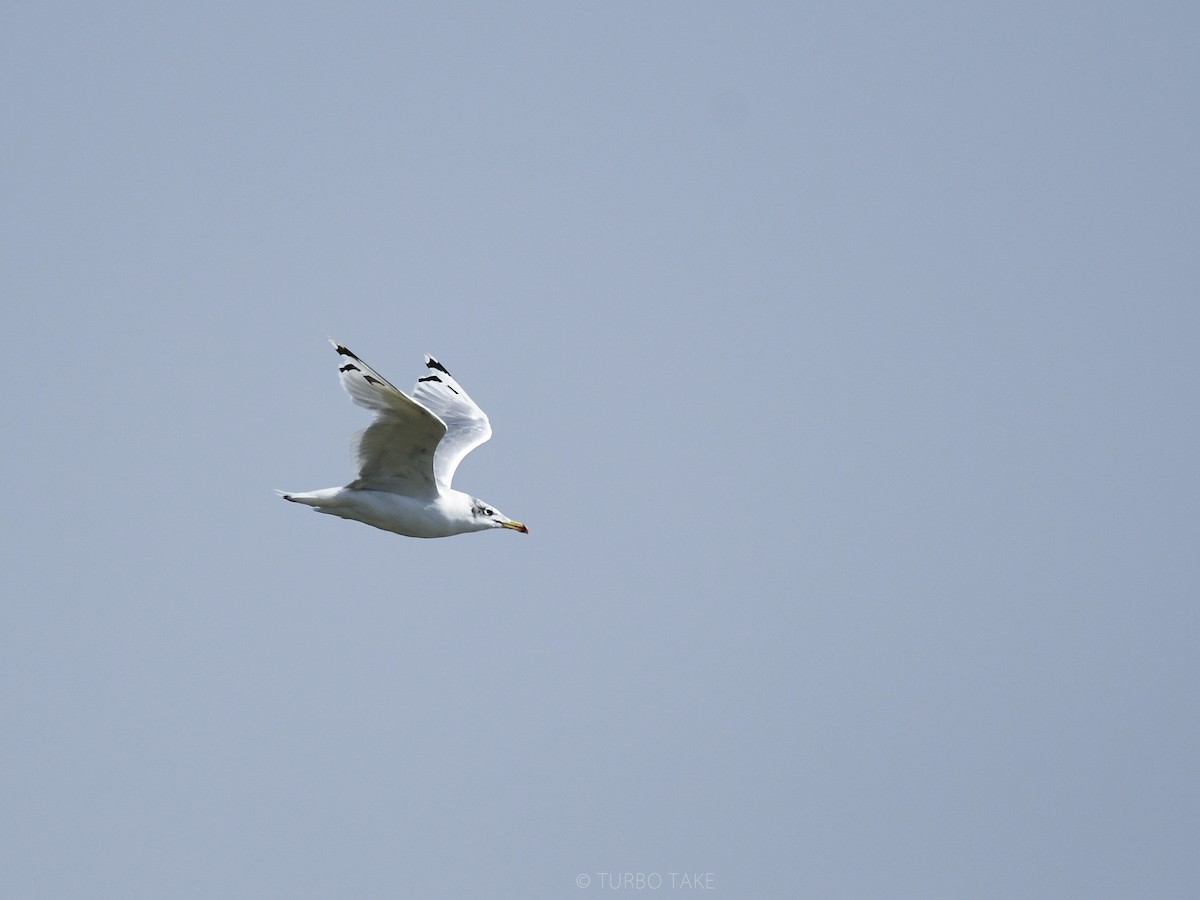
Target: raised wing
column 466, row 424
column 397, row 452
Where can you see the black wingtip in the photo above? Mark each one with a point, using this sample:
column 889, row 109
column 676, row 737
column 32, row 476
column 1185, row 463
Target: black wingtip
column 344, row 351
column 434, row 364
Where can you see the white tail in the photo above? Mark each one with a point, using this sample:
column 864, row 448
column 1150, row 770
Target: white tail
column 311, row 498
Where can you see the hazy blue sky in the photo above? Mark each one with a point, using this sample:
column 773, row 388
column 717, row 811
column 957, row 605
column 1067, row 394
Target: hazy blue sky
column 842, row 359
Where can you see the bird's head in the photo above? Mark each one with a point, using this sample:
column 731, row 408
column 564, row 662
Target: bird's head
column 489, row 517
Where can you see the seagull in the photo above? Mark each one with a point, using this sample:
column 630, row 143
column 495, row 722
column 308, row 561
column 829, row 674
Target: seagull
column 408, row 455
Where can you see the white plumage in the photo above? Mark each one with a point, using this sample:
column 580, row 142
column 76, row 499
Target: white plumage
column 407, row 457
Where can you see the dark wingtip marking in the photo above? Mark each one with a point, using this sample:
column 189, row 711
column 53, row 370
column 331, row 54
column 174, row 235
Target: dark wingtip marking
column 438, row 380
column 349, row 367
column 434, row 364
column 370, row 380
column 344, row 352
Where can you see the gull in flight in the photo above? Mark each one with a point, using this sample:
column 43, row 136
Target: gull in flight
column 408, row 455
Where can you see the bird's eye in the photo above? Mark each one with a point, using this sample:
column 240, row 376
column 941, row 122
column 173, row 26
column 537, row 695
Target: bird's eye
column 488, row 512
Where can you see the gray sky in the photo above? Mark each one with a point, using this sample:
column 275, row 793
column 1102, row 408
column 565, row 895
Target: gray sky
column 841, row 358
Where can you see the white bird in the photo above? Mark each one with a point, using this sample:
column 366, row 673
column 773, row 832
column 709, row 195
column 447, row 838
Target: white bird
column 408, row 455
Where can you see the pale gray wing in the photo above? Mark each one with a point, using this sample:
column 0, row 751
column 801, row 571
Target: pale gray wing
column 396, row 453
column 466, row 425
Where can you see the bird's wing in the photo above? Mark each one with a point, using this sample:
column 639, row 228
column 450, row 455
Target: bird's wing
column 466, row 424
column 397, row 452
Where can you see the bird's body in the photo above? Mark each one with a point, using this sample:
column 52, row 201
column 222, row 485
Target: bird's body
column 407, row 457
column 442, row 516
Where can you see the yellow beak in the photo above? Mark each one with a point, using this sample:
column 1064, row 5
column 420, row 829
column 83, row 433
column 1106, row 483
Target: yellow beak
column 515, row 526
